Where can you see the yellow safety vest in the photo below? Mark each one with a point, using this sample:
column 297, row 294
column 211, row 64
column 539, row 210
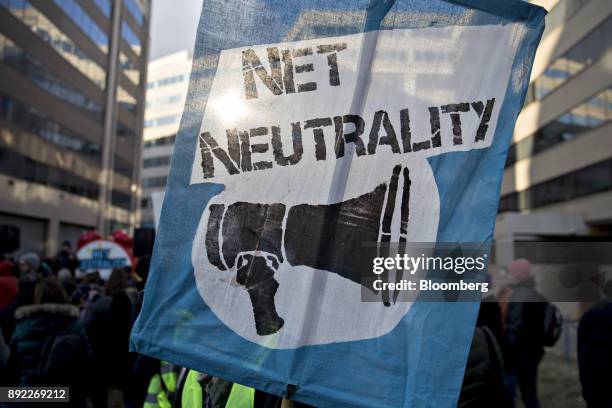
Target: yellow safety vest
column 156, row 393
column 192, row 391
column 192, row 397
column 241, row 397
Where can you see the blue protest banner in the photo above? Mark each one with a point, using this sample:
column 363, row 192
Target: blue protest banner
column 310, row 129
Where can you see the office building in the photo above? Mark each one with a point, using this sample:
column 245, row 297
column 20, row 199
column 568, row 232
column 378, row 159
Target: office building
column 168, row 80
column 71, row 111
column 558, row 176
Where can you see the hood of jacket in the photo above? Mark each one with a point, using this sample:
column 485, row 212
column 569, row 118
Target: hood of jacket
column 60, row 309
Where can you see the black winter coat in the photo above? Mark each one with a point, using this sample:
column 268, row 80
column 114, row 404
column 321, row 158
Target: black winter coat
column 108, row 322
column 595, row 355
column 35, row 325
column 483, row 379
column 525, row 324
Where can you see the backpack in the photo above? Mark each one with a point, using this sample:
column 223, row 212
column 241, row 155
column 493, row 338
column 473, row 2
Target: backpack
column 64, row 358
column 553, row 324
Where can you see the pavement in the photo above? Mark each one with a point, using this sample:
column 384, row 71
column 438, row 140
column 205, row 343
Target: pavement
column 559, row 383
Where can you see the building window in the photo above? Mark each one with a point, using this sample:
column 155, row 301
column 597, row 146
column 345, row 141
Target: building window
column 126, row 100
column 509, row 202
column 161, row 141
column 129, row 68
column 162, row 121
column 583, row 54
column 13, row 164
column 84, row 22
column 168, row 100
column 154, row 182
column 167, row 81
column 562, row 12
column 156, row 161
column 39, row 124
column 125, row 132
column 590, row 114
column 135, row 10
column 121, row 199
column 39, row 74
column 130, row 37
column 122, row 166
column 592, row 179
column 104, row 6
column 61, row 43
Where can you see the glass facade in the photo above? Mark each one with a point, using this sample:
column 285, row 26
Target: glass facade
column 59, row 54
column 122, row 166
column 130, row 69
column 47, row 129
column 105, row 7
column 583, row 54
column 162, row 141
column 509, row 202
column 163, row 120
column 121, row 199
column 167, row 81
column 16, row 165
column 61, row 43
column 592, row 179
column 85, row 23
column 169, row 100
column 39, row 74
column 590, row 114
column 126, row 100
column 131, row 38
column 154, row 182
column 156, row 161
column 125, row 132
column 135, row 10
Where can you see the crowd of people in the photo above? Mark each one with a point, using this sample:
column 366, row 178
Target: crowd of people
column 511, row 333
column 59, row 327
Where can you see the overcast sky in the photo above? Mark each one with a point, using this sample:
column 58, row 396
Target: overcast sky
column 173, row 26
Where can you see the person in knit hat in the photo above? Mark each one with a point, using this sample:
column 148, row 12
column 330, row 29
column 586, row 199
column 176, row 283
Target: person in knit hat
column 29, row 264
column 29, row 274
column 520, row 270
column 524, row 322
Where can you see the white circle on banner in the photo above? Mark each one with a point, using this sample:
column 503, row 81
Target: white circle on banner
column 317, row 306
